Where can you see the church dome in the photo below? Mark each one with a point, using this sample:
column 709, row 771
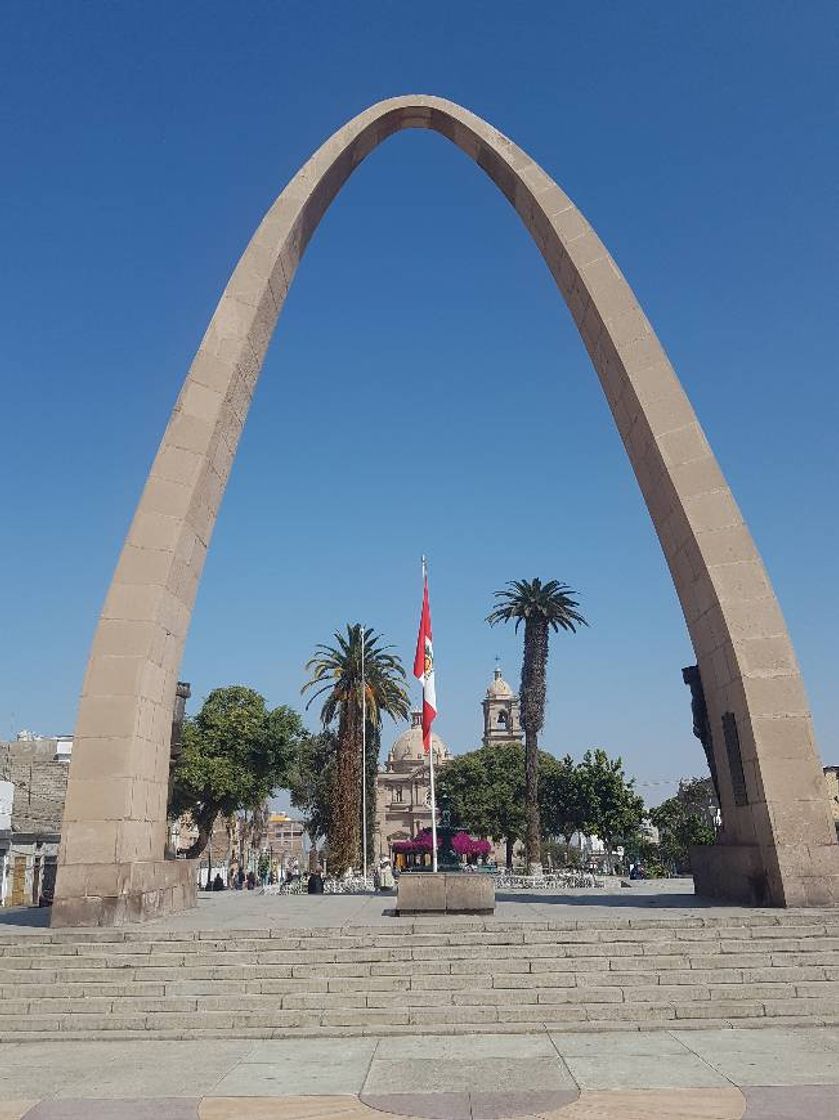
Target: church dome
column 408, row 746
column 498, row 688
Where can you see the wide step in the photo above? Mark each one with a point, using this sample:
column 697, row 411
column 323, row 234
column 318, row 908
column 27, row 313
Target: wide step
column 468, row 976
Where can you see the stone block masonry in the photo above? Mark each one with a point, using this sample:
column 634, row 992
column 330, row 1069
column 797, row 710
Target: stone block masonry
column 778, row 845
column 444, row 893
column 467, row 975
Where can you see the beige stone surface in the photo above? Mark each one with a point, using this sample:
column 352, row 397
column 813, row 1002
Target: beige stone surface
column 15, row 1110
column 720, row 581
column 660, row 1104
column 291, row 1108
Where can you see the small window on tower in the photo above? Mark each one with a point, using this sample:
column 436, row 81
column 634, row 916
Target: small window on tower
column 502, row 719
column 397, row 793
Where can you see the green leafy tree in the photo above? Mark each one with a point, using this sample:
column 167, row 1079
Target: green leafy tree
column 542, row 608
column 336, row 674
column 565, row 800
column 685, row 821
column 616, row 810
column 374, row 746
column 484, row 792
column 236, row 752
column 311, row 781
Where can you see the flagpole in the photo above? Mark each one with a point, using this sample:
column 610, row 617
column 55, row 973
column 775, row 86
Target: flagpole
column 431, row 763
column 363, row 760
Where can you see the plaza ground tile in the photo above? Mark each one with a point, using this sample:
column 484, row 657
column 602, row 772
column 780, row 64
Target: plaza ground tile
column 295, row 1076
column 669, row 1104
column 20, row 1082
column 286, row 1108
column 70, row 1068
column 145, row 1068
column 803, row 1102
column 326, row 1050
column 427, row 1106
column 767, row 1069
column 594, row 1044
column 764, row 1040
column 524, row 1104
column 475, row 1046
column 642, row 1071
column 158, row 1109
column 465, row 1075
column 14, row 1110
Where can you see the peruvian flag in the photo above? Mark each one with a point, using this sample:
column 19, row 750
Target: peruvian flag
column 424, row 669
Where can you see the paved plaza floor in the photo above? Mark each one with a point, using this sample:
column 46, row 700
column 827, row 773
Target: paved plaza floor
column 672, row 898
column 769, row 1074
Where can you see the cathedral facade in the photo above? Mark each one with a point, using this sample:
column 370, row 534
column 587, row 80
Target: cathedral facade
column 403, row 787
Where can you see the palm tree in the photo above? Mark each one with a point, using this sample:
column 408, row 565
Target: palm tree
column 336, row 672
column 542, row 608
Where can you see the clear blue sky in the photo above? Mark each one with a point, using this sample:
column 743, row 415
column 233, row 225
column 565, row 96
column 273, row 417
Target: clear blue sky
column 426, row 390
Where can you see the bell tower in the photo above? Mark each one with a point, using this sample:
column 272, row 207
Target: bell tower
column 502, row 719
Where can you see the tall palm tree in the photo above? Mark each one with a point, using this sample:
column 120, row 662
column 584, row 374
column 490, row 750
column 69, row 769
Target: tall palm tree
column 336, row 674
column 542, row 607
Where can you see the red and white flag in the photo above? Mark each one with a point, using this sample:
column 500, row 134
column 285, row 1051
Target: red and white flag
column 424, row 669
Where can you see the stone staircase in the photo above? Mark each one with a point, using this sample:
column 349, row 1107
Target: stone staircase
column 757, row 969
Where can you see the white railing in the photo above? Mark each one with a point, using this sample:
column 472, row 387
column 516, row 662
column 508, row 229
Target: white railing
column 296, row 886
column 552, row 881
column 354, row 884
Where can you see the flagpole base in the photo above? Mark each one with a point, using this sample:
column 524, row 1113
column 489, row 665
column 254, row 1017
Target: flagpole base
column 443, row 892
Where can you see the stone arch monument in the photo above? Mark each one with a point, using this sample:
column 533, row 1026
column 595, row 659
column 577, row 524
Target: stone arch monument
column 778, row 844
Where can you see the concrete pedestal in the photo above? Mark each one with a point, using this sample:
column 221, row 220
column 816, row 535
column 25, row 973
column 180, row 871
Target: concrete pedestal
column 788, row 876
column 445, row 893
column 94, row 896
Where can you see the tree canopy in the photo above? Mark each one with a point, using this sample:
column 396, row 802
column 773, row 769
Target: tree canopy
column 564, row 799
column 310, row 782
column 484, row 791
column 616, row 811
column 236, row 752
column 685, row 821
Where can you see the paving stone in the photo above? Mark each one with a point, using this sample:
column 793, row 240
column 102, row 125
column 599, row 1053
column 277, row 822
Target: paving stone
column 489, row 1045
column 670, row 1104
column 430, row 1105
column 627, row 1070
column 467, row 1075
column 524, row 1103
column 292, row 1076
column 15, row 1110
column 651, row 1043
column 803, row 1102
column 159, row 1109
